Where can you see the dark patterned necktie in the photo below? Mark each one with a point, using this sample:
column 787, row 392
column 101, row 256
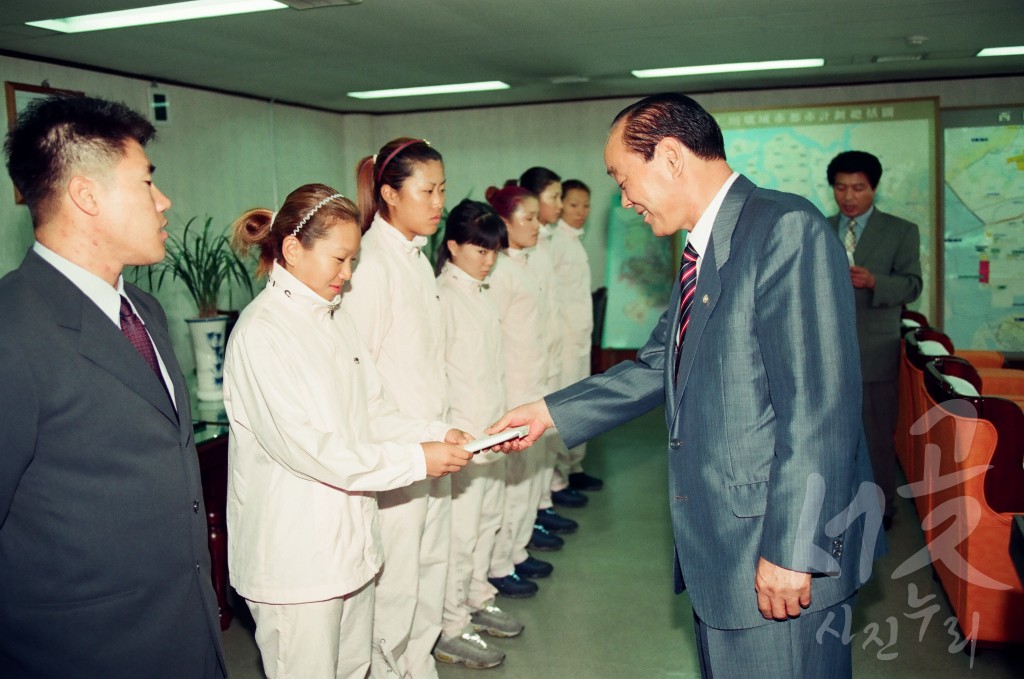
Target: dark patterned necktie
column 135, row 331
column 687, row 286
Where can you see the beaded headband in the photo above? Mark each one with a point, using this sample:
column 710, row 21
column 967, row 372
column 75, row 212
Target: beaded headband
column 309, row 215
column 401, row 147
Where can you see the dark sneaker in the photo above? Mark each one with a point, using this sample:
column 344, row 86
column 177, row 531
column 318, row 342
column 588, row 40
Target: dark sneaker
column 567, row 497
column 532, row 567
column 513, row 586
column 584, row 481
column 544, row 541
column 555, row 522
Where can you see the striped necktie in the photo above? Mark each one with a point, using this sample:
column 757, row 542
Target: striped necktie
column 687, row 286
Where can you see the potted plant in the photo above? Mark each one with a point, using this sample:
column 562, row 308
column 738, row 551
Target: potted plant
column 204, row 261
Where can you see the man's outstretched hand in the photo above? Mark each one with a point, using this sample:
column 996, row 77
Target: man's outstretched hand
column 534, row 414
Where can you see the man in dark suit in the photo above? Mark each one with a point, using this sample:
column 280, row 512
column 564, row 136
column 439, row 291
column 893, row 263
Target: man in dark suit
column 885, row 269
column 104, row 565
column 755, row 362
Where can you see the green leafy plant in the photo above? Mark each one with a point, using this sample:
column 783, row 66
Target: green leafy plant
column 204, row 262
column 435, row 239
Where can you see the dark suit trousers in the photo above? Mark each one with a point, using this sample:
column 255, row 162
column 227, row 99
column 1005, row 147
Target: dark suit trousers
column 806, row 647
column 879, row 416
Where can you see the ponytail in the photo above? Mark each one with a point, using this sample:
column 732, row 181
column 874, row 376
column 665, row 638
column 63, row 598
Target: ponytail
column 366, row 197
column 506, row 199
column 251, row 230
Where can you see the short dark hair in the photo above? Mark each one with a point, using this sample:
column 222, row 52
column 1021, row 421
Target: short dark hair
column 56, row 135
column 474, row 223
column 574, row 185
column 650, row 120
column 536, row 179
column 855, row 161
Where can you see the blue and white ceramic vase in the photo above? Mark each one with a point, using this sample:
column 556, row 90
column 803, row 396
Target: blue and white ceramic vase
column 209, row 335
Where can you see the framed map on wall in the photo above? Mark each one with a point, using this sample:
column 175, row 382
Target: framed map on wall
column 983, row 198
column 788, row 149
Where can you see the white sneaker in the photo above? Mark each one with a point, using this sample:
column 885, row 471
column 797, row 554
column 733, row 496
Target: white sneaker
column 468, row 649
column 496, row 622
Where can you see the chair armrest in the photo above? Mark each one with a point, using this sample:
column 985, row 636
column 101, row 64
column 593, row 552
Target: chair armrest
column 981, row 358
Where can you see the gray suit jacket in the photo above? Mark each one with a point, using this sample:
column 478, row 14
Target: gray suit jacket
column 104, row 564
column 766, row 446
column 890, row 248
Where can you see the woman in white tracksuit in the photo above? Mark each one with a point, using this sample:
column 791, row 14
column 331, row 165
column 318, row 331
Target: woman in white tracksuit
column 312, row 436
column 572, row 287
column 548, row 188
column 521, row 298
column 476, row 389
column 393, row 299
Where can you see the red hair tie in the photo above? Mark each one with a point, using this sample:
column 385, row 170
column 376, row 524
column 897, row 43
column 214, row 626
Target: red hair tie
column 394, row 153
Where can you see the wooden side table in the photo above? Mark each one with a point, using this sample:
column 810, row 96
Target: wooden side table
column 1017, row 544
column 212, row 446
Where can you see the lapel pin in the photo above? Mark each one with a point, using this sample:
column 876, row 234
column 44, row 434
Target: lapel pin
column 705, row 300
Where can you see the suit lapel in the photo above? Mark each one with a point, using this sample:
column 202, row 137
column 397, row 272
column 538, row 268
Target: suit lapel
column 673, row 305
column 104, row 345
column 709, row 282
column 162, row 342
column 99, row 340
column 873, row 236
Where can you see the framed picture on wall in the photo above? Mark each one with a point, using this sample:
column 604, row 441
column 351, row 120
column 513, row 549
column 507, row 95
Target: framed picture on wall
column 19, row 95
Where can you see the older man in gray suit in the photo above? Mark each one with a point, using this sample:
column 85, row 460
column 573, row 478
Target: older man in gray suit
column 885, row 270
column 104, row 565
column 774, row 516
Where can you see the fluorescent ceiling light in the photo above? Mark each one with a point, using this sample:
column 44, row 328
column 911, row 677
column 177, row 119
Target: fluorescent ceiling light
column 431, row 89
column 896, row 58
column 728, row 68
column 157, row 14
column 1001, row 51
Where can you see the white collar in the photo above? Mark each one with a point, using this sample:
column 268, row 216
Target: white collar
column 566, row 229
column 701, row 233
column 282, row 280
column 384, row 227
column 107, row 298
column 456, row 274
column 519, row 255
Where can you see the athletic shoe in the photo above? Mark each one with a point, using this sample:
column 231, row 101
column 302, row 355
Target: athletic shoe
column 513, row 586
column 496, row 622
column 470, row 650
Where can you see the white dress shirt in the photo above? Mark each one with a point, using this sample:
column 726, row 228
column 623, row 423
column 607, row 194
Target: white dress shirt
column 701, row 233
